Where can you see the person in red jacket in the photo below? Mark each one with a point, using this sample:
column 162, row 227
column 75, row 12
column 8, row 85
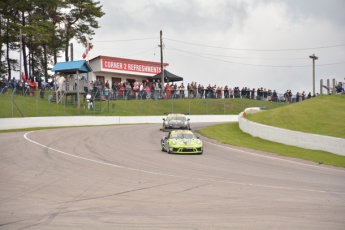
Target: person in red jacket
column 167, row 90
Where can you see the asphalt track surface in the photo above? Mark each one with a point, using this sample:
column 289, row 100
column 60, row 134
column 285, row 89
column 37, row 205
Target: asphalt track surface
column 117, row 177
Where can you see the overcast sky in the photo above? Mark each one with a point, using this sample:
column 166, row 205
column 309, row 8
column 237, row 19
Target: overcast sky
column 248, row 43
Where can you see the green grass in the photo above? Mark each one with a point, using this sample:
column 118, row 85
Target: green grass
column 230, row 133
column 36, row 107
column 324, row 115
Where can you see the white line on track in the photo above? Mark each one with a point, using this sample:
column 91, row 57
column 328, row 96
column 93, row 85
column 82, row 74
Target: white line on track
column 275, row 158
column 176, row 176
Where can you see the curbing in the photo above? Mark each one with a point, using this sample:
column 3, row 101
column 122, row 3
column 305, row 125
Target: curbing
column 294, row 138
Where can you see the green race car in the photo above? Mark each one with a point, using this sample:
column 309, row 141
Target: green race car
column 182, row 141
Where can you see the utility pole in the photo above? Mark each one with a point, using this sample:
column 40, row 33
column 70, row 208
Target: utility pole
column 71, row 47
column 162, row 68
column 314, row 58
column 20, row 57
column 20, row 54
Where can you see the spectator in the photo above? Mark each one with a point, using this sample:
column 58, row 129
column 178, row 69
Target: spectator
column 42, row 89
column 237, row 92
column 286, row 96
column 195, row 89
column 226, row 91
column 202, row 91
column 2, row 85
column 252, row 94
column 182, row 89
column 303, row 96
column 189, row 90
column 156, row 91
column 14, row 84
column 247, row 92
column 339, row 87
column 309, row 95
column 219, row 92
column 172, row 90
column 199, row 91
column 231, row 93
column 136, row 88
column 265, row 94
column 243, row 92
column 141, row 90
column 290, row 96
column 148, row 91
column 214, row 91
column 274, row 96
column 160, row 91
column 38, row 79
column 269, row 95
column 167, row 90
column 77, row 78
column 89, row 101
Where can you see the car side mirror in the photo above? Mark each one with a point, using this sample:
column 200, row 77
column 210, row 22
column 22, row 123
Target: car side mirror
column 188, row 119
column 163, row 119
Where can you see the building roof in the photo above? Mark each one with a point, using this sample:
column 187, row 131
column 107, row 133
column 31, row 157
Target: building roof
column 71, row 67
column 127, row 60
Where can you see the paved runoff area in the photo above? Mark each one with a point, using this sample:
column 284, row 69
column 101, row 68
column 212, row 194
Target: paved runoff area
column 117, row 177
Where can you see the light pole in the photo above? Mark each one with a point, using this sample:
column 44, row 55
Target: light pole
column 314, row 58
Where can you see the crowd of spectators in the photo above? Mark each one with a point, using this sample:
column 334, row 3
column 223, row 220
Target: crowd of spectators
column 156, row 90
column 27, row 86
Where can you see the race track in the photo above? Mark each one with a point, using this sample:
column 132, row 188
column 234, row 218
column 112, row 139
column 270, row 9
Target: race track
column 117, row 177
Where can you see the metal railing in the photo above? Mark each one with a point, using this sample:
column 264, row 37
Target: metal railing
column 29, row 103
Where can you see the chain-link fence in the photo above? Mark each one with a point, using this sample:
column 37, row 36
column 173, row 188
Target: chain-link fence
column 36, row 103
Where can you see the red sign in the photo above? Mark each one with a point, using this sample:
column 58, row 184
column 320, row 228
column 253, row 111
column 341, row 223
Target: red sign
column 131, row 66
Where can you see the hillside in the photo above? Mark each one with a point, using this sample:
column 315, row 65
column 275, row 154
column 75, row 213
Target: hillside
column 324, row 114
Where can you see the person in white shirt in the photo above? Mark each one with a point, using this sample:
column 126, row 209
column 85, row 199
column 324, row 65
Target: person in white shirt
column 89, row 101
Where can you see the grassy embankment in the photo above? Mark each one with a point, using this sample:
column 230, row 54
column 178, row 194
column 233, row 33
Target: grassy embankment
column 36, row 107
column 321, row 115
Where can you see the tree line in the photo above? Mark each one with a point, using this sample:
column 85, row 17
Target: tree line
column 47, row 27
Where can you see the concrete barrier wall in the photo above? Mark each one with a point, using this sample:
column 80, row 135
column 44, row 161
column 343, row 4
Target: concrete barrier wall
column 31, row 122
column 294, row 138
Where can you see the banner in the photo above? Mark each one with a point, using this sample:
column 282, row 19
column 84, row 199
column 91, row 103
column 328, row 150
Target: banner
column 131, row 66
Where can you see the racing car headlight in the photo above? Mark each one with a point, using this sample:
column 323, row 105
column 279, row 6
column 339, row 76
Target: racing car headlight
column 198, row 142
column 185, row 123
column 173, row 142
column 166, row 122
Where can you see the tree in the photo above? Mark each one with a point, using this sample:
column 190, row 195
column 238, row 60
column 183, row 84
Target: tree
column 47, row 30
column 80, row 21
column 8, row 23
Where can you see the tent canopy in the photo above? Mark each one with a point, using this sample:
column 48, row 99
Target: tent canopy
column 71, row 67
column 167, row 77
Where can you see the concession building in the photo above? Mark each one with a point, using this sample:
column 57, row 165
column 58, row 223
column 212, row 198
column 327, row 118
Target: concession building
column 116, row 69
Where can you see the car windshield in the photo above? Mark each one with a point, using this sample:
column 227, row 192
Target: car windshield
column 183, row 136
column 178, row 118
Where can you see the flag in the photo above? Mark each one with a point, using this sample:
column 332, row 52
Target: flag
column 86, row 51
